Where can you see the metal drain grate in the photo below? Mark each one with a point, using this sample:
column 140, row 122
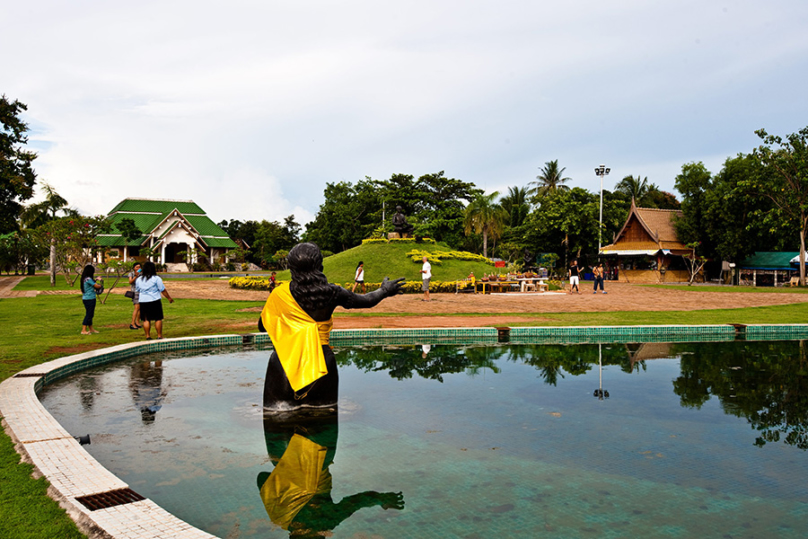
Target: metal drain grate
column 27, row 375
column 111, row 498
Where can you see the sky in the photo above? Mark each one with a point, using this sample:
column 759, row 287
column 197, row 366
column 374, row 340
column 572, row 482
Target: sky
column 250, row 108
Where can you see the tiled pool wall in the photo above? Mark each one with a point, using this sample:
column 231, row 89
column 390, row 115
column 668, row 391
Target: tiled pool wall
column 74, row 475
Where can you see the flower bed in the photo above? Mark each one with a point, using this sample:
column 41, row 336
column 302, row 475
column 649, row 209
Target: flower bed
column 435, row 257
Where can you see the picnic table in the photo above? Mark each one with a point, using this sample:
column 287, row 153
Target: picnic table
column 519, row 284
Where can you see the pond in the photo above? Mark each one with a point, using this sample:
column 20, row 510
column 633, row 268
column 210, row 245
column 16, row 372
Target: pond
column 685, row 440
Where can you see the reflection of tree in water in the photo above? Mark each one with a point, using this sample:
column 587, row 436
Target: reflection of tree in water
column 297, row 494
column 145, row 384
column 552, row 360
column 406, row 361
column 764, row 382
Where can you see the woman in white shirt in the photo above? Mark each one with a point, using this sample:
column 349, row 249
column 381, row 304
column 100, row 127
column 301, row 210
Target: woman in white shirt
column 359, row 278
column 149, row 288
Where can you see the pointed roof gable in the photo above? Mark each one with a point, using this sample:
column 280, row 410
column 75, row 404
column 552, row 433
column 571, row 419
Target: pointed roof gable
column 658, row 225
column 150, row 214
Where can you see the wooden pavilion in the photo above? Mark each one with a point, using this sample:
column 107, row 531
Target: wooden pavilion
column 647, row 249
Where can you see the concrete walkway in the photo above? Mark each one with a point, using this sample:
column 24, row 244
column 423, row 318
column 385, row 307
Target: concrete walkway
column 7, row 285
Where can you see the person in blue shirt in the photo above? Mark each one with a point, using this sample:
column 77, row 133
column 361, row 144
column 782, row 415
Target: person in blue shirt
column 149, row 288
column 89, row 291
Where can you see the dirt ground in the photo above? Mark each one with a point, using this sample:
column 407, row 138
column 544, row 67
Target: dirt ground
column 508, row 308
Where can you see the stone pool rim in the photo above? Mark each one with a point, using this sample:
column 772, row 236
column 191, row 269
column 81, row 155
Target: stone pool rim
column 74, row 475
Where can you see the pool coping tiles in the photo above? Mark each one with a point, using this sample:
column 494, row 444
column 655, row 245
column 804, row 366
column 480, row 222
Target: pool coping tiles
column 73, row 472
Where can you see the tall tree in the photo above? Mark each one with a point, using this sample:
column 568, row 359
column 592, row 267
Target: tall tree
column 567, row 221
column 786, row 184
column 17, row 176
column 637, row 188
column 550, row 179
column 346, row 217
column 484, row 216
column 694, row 183
column 515, row 205
column 738, row 221
column 434, row 202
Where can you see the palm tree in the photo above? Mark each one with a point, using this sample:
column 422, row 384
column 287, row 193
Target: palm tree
column 635, row 188
column 550, row 179
column 515, row 205
column 485, row 216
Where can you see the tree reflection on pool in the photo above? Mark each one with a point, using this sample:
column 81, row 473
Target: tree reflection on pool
column 465, row 441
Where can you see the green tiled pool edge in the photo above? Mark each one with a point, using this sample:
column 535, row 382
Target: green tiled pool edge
column 21, row 408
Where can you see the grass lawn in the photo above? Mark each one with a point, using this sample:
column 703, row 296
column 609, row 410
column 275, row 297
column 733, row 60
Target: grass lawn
column 42, row 282
column 45, row 327
column 734, row 289
column 390, row 260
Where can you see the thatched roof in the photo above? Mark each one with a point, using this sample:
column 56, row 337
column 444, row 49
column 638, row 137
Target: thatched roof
column 659, row 228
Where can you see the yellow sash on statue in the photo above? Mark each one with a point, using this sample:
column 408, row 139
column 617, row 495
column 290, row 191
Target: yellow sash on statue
column 297, row 337
column 298, row 476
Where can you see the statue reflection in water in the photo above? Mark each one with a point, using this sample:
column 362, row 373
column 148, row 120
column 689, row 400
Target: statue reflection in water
column 146, row 386
column 297, row 494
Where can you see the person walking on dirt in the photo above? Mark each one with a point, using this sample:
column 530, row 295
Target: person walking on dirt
column 599, row 276
column 426, row 275
column 573, row 273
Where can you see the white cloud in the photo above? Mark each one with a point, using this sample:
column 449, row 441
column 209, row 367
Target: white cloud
column 249, row 108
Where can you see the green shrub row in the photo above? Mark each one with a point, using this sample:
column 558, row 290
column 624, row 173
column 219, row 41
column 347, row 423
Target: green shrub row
column 435, row 257
column 410, row 287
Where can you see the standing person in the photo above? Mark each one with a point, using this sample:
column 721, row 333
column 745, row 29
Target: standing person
column 150, row 287
column 599, row 276
column 359, row 277
column 573, row 273
column 89, row 291
column 272, row 282
column 133, row 275
column 426, row 275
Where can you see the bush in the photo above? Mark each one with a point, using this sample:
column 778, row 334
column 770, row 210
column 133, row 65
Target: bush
column 250, row 283
column 435, row 257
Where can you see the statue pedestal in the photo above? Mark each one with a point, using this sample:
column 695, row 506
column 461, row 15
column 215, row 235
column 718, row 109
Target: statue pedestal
column 396, row 235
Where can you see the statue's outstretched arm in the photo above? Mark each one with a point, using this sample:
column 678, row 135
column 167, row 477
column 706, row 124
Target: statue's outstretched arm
column 349, row 300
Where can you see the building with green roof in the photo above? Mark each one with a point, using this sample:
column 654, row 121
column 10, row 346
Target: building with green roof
column 167, row 227
column 769, row 268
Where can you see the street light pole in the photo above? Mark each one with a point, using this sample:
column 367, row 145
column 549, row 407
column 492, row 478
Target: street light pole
column 601, row 171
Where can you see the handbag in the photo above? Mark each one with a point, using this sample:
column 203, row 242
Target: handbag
column 129, row 294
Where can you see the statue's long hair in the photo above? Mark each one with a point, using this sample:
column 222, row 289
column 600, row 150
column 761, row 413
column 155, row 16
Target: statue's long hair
column 309, row 284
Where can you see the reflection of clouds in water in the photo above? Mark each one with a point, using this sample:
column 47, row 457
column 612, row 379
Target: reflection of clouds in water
column 347, row 407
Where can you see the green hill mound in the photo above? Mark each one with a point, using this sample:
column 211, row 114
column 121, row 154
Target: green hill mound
column 391, row 260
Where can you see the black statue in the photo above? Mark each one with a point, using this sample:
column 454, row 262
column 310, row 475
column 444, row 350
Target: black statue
column 302, row 371
column 400, row 224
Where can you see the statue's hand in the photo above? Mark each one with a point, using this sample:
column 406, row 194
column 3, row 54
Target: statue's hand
column 391, row 500
column 391, row 288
